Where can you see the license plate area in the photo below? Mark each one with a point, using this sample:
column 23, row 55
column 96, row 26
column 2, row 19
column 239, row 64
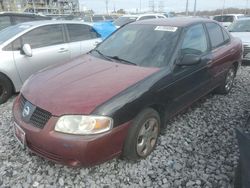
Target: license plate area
column 20, row 135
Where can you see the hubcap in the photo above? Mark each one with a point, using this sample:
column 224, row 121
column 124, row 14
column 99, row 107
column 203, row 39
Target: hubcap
column 147, row 137
column 229, row 79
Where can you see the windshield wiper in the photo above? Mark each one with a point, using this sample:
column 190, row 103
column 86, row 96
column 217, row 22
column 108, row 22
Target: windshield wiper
column 101, row 54
column 122, row 60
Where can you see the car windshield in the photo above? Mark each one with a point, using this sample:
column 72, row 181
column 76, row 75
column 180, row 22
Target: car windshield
column 142, row 45
column 97, row 18
column 224, row 18
column 124, row 20
column 240, row 26
column 11, row 31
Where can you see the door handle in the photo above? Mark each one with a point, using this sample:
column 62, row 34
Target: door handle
column 62, row 50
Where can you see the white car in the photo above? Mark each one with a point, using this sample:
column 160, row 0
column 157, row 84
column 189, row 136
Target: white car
column 29, row 47
column 241, row 29
column 228, row 19
column 132, row 18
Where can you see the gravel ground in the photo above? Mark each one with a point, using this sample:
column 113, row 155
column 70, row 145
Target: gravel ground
column 198, row 149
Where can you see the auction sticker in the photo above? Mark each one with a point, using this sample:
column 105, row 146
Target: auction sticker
column 166, row 28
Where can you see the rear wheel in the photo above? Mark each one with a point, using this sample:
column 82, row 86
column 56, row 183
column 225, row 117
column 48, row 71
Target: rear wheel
column 227, row 84
column 5, row 89
column 143, row 135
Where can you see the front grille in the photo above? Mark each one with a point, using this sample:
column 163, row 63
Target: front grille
column 246, row 50
column 39, row 118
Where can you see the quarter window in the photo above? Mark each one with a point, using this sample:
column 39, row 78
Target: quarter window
column 215, row 34
column 195, row 41
column 44, row 36
column 79, row 32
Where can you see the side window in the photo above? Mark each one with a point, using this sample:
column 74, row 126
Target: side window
column 215, row 34
column 79, row 32
column 4, row 22
column 226, row 36
column 161, row 17
column 44, row 36
column 21, row 19
column 14, row 46
column 195, row 41
column 147, row 17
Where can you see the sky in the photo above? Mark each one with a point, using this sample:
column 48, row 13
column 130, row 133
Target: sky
column 170, row 5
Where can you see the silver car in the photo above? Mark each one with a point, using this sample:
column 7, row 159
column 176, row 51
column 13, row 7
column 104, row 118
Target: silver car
column 29, row 47
column 241, row 29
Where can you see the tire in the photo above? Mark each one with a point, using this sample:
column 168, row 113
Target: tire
column 142, row 135
column 5, row 89
column 228, row 81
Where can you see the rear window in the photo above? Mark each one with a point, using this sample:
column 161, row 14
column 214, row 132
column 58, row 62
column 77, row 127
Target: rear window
column 224, row 18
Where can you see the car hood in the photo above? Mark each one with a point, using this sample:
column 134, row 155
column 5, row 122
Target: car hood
column 244, row 36
column 81, row 85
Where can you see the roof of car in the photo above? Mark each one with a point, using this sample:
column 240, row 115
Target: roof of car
column 49, row 22
column 18, row 14
column 140, row 15
column 175, row 22
column 230, row 15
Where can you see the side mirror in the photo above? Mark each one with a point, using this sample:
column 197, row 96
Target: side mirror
column 26, row 50
column 189, row 59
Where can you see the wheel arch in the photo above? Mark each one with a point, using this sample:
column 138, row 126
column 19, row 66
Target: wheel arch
column 12, row 84
column 162, row 112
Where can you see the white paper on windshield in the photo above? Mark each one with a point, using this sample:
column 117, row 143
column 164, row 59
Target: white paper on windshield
column 166, row 28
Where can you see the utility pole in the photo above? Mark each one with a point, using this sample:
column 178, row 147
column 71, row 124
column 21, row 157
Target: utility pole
column 246, row 12
column 187, row 8
column 222, row 13
column 195, row 7
column 140, row 6
column 107, row 6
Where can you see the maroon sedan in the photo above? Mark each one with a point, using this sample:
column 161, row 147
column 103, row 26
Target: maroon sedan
column 114, row 100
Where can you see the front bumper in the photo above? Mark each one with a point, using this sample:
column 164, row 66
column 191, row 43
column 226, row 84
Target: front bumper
column 68, row 149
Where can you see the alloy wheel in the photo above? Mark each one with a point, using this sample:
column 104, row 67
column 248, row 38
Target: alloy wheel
column 147, row 137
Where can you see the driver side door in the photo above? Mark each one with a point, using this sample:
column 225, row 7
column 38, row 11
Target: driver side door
column 190, row 81
column 48, row 46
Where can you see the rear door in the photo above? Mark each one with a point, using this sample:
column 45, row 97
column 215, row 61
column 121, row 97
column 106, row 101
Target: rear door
column 49, row 48
column 80, row 39
column 222, row 51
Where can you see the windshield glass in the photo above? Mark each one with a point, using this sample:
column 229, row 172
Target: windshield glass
column 240, row 26
column 124, row 20
column 224, row 18
column 11, row 31
column 142, row 45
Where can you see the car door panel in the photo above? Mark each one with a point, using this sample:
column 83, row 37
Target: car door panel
column 48, row 48
column 41, row 58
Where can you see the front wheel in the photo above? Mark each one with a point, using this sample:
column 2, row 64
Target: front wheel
column 227, row 84
column 143, row 135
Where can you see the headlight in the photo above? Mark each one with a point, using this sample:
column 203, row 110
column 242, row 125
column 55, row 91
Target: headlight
column 83, row 125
